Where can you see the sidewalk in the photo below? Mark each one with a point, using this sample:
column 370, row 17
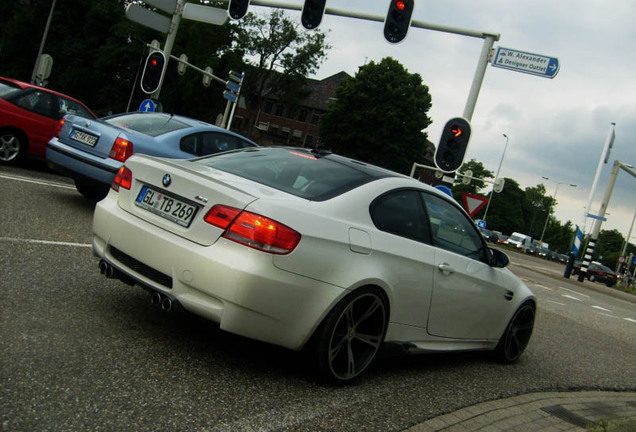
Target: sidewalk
column 545, row 412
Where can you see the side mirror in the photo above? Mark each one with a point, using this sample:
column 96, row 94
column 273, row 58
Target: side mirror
column 498, row 258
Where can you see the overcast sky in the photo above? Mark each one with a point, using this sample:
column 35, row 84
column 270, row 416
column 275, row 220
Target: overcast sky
column 557, row 127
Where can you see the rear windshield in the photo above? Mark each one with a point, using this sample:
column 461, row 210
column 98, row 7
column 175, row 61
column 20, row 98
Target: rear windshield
column 149, row 124
column 299, row 173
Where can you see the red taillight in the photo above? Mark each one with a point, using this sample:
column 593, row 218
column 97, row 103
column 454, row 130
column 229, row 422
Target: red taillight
column 122, row 149
column 58, row 128
column 221, row 216
column 122, row 179
column 253, row 230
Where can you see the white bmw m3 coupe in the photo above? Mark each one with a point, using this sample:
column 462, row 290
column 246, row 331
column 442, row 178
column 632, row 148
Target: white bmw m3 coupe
column 310, row 250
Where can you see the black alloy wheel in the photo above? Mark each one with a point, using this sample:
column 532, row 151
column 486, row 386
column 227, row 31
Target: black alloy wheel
column 351, row 335
column 517, row 335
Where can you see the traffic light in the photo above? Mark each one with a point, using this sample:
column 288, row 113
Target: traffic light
column 153, row 72
column 238, row 8
column 398, row 20
column 312, row 13
column 449, row 155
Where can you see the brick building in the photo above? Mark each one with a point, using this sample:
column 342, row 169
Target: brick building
column 276, row 124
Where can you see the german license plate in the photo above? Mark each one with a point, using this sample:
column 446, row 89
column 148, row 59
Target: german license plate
column 83, row 137
column 166, row 206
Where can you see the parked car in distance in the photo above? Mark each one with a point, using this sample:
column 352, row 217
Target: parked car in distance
column 597, row 272
column 310, row 250
column 29, row 116
column 92, row 151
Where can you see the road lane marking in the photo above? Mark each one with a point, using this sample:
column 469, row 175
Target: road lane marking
column 630, row 320
column 570, row 297
column 40, row 182
column 544, row 287
column 556, row 302
column 601, row 308
column 46, row 242
column 574, row 292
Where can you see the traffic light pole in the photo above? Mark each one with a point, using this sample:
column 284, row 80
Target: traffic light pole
column 172, row 36
column 596, row 229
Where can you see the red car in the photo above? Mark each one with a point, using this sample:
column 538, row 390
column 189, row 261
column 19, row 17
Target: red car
column 29, row 117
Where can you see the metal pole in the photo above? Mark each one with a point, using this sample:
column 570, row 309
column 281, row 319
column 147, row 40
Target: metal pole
column 46, row 32
column 554, row 199
column 172, row 36
column 496, row 176
column 608, row 143
column 480, row 71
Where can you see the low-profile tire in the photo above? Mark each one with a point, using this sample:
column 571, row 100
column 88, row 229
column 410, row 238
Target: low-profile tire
column 13, row 146
column 92, row 191
column 592, row 278
column 350, row 336
column 517, row 335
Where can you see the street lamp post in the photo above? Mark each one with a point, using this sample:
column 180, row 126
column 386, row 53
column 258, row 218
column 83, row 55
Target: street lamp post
column 553, row 199
column 496, row 176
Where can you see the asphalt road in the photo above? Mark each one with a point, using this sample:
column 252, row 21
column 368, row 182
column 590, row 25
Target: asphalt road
column 80, row 352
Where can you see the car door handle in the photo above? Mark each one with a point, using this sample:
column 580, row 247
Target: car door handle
column 446, row 268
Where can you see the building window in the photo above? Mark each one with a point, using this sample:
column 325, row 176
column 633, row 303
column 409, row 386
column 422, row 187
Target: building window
column 268, row 106
column 279, row 110
column 315, row 118
column 309, row 140
column 302, row 115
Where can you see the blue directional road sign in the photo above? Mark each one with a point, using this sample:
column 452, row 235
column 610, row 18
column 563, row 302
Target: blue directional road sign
column 444, row 189
column 229, row 96
column 233, row 86
column 521, row 61
column 481, row 224
column 147, row 105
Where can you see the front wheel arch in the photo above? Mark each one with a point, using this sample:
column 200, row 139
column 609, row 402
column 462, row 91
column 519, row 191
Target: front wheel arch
column 517, row 335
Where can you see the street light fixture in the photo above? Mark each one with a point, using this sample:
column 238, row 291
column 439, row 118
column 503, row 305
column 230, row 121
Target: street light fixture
column 496, row 176
column 558, row 183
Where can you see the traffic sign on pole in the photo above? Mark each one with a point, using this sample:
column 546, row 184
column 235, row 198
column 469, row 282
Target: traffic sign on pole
column 147, row 105
column 521, row 61
column 473, row 203
column 146, row 17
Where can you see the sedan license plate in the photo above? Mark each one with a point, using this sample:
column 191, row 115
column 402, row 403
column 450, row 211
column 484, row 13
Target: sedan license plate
column 83, row 137
column 166, row 206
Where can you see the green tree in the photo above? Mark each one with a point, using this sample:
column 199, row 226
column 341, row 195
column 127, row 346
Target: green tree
column 379, row 116
column 279, row 57
column 608, row 247
column 475, row 186
column 507, row 209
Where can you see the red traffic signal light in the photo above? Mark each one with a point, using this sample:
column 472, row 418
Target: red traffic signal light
column 450, row 152
column 238, row 8
column 398, row 20
column 312, row 13
column 153, row 72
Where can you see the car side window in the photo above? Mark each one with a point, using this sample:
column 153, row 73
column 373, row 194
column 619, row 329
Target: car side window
column 400, row 213
column 67, row 106
column 206, row 143
column 452, row 230
column 38, row 102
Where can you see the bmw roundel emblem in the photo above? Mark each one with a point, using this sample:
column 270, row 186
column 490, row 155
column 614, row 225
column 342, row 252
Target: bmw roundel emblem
column 166, row 180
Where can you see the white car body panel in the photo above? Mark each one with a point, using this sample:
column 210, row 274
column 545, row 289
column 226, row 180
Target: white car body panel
column 281, row 299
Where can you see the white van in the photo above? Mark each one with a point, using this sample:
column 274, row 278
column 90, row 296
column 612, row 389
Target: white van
column 519, row 240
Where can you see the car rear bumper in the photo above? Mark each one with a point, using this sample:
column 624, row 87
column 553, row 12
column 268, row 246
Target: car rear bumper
column 228, row 283
column 78, row 164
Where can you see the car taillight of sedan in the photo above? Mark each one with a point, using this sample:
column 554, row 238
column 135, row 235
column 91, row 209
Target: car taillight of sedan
column 122, row 179
column 253, row 230
column 122, row 149
column 58, row 128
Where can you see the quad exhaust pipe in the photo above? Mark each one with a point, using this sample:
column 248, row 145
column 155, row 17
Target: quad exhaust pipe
column 156, row 298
